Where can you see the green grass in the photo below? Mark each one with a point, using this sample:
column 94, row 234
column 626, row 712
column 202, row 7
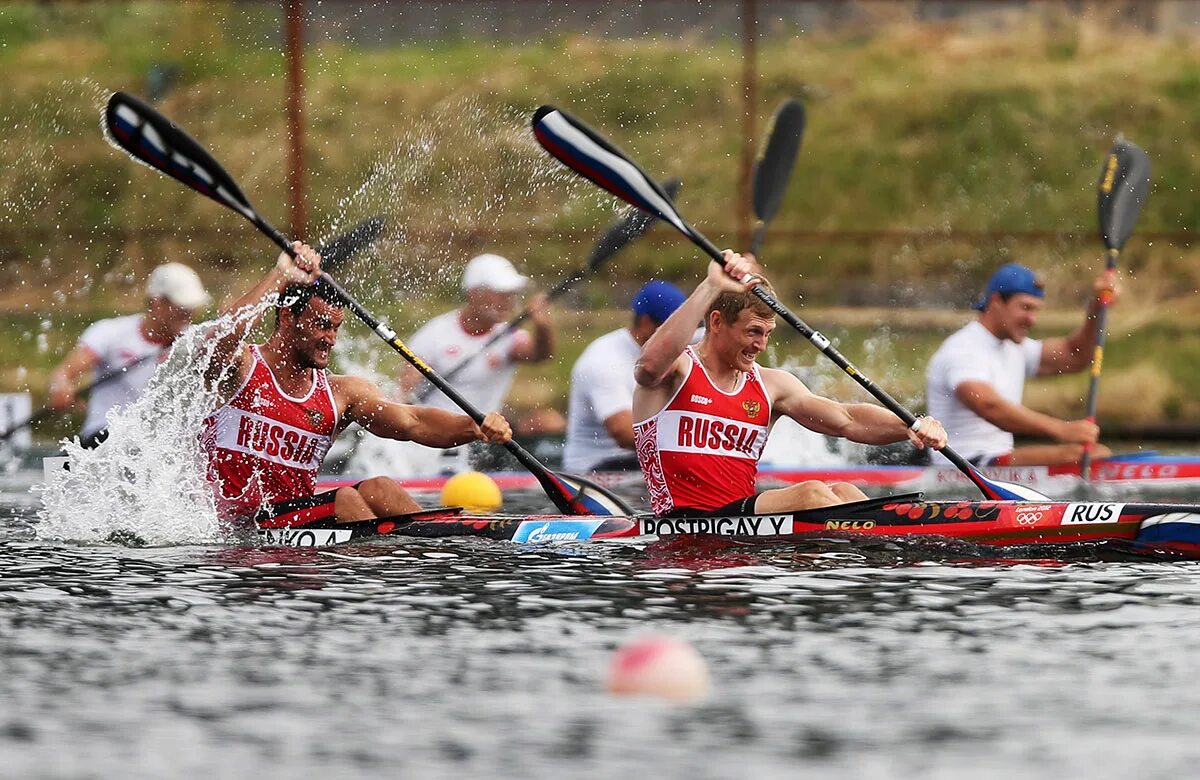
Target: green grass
column 928, row 129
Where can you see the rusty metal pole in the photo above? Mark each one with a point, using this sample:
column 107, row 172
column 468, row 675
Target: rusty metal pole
column 295, row 114
column 749, row 126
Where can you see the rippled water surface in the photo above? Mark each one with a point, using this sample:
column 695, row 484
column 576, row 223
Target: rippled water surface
column 464, row 658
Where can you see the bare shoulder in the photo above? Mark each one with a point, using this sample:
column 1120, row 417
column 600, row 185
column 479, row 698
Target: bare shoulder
column 780, row 383
column 353, row 388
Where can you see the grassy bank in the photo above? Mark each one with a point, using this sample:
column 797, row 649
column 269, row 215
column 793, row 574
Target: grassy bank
column 974, row 147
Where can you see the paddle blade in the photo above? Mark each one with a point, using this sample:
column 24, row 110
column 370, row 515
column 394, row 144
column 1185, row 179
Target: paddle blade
column 995, row 490
column 338, row 251
column 773, row 169
column 597, row 500
column 1124, row 182
column 151, row 138
column 625, row 230
column 587, row 153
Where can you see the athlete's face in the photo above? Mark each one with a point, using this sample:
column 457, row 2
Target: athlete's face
column 491, row 305
column 314, row 332
column 743, row 340
column 1016, row 316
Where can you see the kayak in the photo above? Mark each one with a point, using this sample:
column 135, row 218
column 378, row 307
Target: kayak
column 1174, row 527
column 1143, row 471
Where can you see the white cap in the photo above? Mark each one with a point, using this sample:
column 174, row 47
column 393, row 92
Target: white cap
column 178, row 284
column 493, row 272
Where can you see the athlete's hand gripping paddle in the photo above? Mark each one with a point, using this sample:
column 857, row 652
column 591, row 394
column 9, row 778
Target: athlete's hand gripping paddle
column 590, row 155
column 156, row 141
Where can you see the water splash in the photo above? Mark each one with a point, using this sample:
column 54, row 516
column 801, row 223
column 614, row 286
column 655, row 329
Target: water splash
column 148, row 477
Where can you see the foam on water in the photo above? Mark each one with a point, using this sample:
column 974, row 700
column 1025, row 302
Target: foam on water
column 148, row 477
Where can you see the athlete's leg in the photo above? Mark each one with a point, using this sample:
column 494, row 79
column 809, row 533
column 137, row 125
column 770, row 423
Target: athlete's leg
column 1050, row 454
column 847, row 492
column 386, row 497
column 349, row 505
column 802, row 495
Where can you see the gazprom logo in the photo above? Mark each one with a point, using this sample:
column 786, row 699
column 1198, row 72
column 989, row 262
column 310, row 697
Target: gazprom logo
column 542, row 531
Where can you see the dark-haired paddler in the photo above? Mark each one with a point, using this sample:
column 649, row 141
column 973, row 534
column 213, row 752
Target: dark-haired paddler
column 280, row 410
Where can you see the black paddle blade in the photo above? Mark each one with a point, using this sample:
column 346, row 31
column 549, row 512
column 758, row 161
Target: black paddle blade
column 1124, row 182
column 158, row 142
column 629, row 227
column 774, row 167
column 336, row 252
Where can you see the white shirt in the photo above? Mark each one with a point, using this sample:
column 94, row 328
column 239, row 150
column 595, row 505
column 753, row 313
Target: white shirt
column 114, row 344
column 974, row 354
column 601, row 386
column 442, row 343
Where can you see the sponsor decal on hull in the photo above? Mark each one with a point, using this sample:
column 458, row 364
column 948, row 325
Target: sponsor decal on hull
column 750, row 525
column 1092, row 514
column 542, row 531
column 1033, row 515
column 303, row 537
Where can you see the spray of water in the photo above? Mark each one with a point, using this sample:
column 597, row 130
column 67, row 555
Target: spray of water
column 148, row 477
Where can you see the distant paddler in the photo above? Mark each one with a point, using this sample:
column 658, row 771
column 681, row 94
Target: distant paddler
column 281, row 410
column 600, row 410
column 464, row 337
column 702, row 413
column 976, row 379
column 122, row 353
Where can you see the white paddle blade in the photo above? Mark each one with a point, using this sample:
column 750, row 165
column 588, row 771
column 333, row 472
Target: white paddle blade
column 591, row 156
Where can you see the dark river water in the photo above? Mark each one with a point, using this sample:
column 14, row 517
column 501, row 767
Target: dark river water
column 462, row 658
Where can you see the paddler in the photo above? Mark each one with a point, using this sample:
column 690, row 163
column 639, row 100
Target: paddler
column 976, row 378
column 600, row 409
column 702, row 413
column 490, row 285
column 281, row 409
column 129, row 348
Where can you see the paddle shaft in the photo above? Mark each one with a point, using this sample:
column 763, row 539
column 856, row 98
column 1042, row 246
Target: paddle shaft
column 46, row 411
column 389, row 336
column 823, row 344
column 1110, row 264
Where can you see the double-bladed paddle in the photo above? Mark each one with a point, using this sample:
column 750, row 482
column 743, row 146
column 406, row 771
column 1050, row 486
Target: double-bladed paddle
column 615, row 238
column 1121, row 192
column 153, row 139
column 590, row 155
column 774, row 167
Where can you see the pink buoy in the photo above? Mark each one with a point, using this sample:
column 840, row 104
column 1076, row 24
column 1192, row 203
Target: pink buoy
column 660, row 666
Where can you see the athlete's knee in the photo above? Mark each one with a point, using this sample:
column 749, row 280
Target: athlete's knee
column 847, row 492
column 378, row 486
column 815, row 493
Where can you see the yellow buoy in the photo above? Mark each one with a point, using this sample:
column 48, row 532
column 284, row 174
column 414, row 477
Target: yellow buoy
column 472, row 490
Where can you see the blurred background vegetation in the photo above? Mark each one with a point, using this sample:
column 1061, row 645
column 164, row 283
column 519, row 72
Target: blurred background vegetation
column 943, row 139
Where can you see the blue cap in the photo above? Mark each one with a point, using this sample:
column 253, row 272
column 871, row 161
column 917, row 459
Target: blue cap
column 658, row 299
column 1009, row 279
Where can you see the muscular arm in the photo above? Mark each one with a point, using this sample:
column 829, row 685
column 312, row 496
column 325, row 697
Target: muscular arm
column 620, row 428
column 662, row 355
column 542, row 345
column 363, row 403
column 863, row 423
column 229, row 351
column 982, row 399
column 66, row 378
column 1074, row 353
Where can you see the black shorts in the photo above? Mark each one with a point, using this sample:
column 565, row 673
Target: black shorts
column 743, row 506
column 297, row 511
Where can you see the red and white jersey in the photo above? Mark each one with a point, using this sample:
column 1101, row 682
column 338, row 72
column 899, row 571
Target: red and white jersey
column 701, row 451
column 263, row 445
